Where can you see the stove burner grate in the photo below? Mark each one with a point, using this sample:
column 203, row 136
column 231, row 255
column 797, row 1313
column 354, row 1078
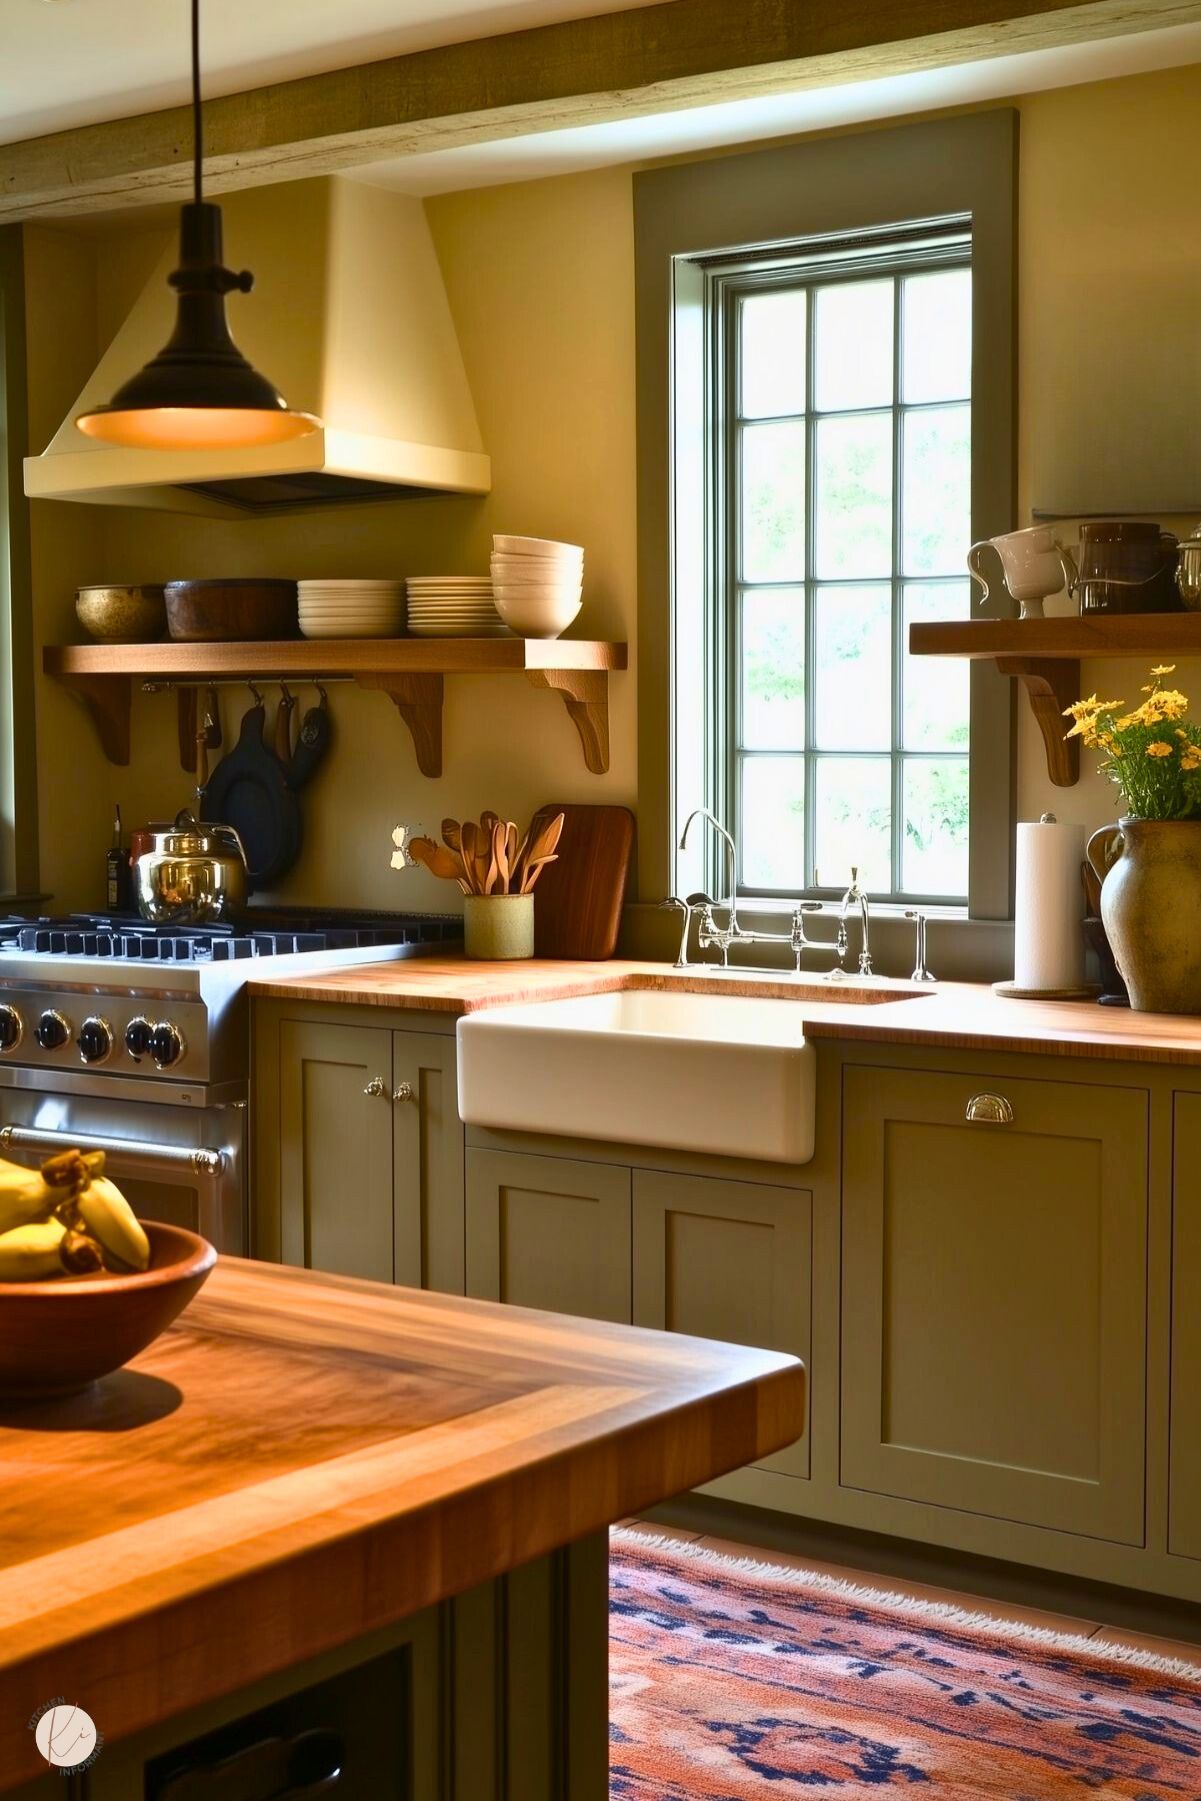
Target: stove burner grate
column 274, row 934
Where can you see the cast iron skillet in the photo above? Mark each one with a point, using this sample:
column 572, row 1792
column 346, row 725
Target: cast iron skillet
column 249, row 790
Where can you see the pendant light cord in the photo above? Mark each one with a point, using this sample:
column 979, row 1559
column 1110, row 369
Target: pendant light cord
column 197, row 135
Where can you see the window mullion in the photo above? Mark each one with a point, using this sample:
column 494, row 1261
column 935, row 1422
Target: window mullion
column 809, row 763
column 897, row 771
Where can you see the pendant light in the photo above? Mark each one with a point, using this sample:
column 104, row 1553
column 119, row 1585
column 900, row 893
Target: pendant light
column 199, row 392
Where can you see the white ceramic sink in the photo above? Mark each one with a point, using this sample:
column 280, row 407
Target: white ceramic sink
column 718, row 1073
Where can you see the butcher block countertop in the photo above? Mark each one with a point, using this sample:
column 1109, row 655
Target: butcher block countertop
column 966, row 1015
column 302, row 1459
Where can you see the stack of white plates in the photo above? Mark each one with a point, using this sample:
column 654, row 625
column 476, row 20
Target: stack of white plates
column 351, row 609
column 537, row 583
column 453, row 606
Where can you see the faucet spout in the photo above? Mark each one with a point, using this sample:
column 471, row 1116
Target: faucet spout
column 855, row 896
column 731, row 858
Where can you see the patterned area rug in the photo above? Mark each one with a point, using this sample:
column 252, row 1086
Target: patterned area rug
column 731, row 1681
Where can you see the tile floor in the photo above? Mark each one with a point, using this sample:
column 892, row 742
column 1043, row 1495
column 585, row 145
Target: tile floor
column 922, row 1591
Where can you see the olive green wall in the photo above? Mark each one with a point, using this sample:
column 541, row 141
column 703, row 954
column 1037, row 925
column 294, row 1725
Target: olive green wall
column 540, row 281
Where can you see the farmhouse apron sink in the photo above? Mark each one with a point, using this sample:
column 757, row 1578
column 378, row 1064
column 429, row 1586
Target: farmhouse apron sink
column 716, row 1073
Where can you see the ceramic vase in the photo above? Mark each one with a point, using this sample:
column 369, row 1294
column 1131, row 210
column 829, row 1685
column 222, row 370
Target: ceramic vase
column 498, row 927
column 1151, row 908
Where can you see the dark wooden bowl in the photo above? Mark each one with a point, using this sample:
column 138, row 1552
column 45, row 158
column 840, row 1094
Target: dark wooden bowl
column 218, row 611
column 57, row 1336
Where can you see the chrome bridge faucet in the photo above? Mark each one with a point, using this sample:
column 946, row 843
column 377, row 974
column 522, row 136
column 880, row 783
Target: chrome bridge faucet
column 855, row 896
column 711, row 936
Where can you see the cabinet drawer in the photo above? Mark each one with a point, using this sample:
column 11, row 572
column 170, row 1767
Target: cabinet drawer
column 549, row 1232
column 726, row 1260
column 994, row 1298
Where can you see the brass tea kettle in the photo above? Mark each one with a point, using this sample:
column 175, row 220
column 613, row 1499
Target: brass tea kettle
column 192, row 874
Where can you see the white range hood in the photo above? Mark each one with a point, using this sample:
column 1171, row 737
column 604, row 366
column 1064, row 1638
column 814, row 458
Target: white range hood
column 349, row 318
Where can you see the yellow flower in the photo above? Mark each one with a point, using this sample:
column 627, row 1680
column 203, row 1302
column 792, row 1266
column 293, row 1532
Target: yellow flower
column 1163, row 669
column 1190, row 760
column 1159, row 749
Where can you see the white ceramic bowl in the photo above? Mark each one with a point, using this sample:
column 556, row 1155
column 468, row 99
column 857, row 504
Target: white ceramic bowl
column 549, row 591
column 509, row 544
column 502, row 559
column 542, row 614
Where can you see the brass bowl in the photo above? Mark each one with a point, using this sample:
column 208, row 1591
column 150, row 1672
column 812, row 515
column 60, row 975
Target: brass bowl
column 133, row 614
column 58, row 1336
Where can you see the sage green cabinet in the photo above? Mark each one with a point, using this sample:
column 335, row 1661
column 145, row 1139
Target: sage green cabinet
column 994, row 1298
column 1184, row 1525
column 726, row 1260
column 358, row 1150
column 549, row 1232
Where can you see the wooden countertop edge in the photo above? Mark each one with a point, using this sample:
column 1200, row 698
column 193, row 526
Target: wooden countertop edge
column 372, row 1576
column 965, row 1016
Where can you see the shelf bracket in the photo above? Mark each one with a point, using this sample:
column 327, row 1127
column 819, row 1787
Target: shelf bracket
column 418, row 700
column 1051, row 684
column 108, row 699
column 586, row 696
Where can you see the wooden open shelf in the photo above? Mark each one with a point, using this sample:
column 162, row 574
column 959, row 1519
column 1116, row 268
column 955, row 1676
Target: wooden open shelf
column 1045, row 655
column 410, row 671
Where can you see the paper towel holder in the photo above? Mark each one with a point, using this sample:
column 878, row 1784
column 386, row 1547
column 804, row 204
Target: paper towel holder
column 1013, row 991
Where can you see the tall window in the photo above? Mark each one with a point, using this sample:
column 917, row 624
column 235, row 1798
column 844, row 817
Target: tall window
column 842, row 513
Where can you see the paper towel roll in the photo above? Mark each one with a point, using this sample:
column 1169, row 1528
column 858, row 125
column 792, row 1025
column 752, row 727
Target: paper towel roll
column 1048, row 946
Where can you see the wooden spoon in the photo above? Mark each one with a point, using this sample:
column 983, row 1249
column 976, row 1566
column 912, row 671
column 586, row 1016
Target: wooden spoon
column 437, row 860
column 500, row 855
column 533, row 871
column 470, row 850
column 544, row 842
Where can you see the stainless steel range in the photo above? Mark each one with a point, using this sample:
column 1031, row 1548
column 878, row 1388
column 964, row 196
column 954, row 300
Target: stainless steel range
column 135, row 1039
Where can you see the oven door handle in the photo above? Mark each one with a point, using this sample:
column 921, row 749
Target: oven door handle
column 161, row 1159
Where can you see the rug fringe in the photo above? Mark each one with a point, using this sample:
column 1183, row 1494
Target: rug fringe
column 944, row 1613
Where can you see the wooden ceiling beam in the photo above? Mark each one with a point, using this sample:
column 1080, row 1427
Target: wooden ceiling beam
column 675, row 54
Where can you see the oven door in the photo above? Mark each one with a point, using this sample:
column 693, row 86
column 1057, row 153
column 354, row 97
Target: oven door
column 180, row 1161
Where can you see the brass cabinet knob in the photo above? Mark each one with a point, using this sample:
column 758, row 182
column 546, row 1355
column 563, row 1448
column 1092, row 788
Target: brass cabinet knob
column 375, row 1087
column 989, row 1110
column 404, row 1092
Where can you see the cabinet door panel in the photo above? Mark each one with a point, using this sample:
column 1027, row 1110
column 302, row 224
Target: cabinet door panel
column 994, row 1298
column 1184, row 1530
column 428, row 1169
column 336, row 1149
column 549, row 1232
column 726, row 1260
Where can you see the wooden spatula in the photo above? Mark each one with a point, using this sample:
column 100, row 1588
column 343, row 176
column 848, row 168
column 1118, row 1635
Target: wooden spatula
column 437, row 860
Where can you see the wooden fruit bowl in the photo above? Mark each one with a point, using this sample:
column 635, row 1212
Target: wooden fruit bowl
column 56, row 1337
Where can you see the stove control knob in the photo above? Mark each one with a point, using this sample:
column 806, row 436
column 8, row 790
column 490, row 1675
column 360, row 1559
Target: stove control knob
column 166, row 1045
column 53, row 1031
column 138, row 1036
column 12, row 1028
column 95, row 1040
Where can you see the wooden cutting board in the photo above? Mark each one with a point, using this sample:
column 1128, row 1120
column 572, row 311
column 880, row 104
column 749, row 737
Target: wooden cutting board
column 578, row 900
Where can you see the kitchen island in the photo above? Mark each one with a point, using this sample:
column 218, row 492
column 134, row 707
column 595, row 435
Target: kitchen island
column 325, row 1506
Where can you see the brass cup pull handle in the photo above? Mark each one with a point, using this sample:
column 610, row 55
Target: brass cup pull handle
column 989, row 1110
column 405, row 1092
column 375, row 1088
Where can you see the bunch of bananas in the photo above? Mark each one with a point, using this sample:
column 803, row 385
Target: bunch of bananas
column 66, row 1219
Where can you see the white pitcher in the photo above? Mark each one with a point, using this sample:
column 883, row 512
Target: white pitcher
column 1035, row 564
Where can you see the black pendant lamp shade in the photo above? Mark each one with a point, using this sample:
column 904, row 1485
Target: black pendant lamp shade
column 199, row 392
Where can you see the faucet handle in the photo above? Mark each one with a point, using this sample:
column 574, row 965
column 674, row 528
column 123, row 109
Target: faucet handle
column 920, row 972
column 810, row 907
column 665, row 906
